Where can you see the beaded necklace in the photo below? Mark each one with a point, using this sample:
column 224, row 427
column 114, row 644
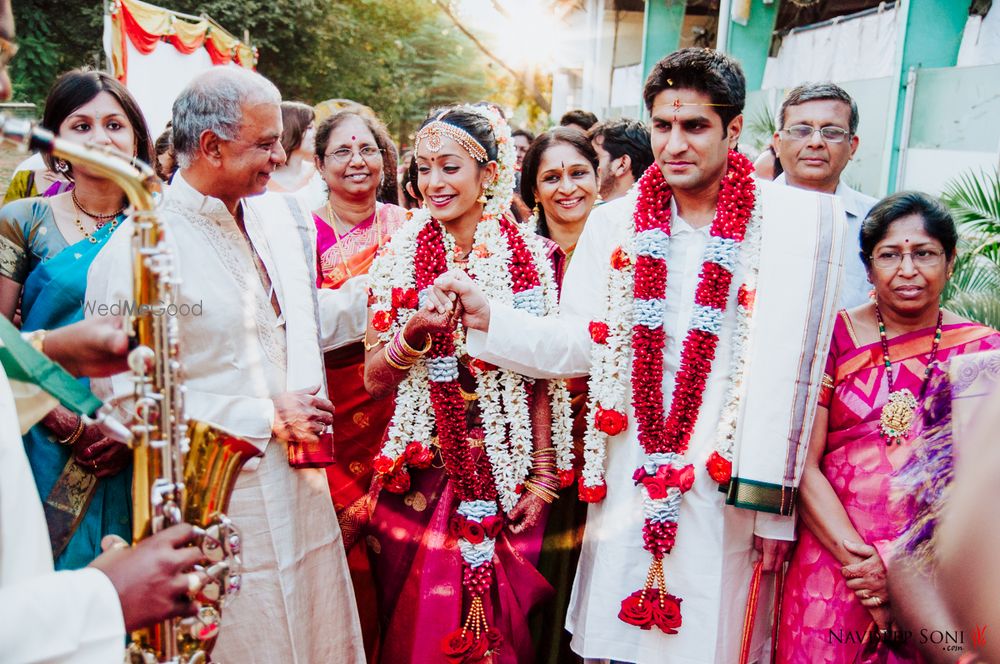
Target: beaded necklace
column 899, row 412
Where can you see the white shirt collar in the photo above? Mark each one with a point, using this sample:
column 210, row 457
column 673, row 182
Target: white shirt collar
column 181, row 192
column 854, row 206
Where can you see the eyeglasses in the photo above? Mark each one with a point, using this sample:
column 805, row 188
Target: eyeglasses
column 890, row 260
column 8, row 50
column 344, row 155
column 829, row 133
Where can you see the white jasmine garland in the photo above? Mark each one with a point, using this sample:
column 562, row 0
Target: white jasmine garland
column 608, row 385
column 503, row 394
column 726, row 433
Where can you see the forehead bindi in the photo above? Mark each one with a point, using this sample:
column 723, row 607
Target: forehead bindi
column 684, row 105
column 908, row 232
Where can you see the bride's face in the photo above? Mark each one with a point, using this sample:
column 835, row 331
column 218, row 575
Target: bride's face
column 450, row 180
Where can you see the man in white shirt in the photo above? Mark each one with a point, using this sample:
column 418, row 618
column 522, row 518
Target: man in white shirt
column 817, row 137
column 252, row 354
column 695, row 98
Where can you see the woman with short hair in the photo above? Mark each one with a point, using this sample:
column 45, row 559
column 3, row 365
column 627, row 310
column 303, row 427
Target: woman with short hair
column 881, row 358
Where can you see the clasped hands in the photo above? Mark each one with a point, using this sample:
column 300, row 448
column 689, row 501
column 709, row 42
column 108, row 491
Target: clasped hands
column 867, row 578
column 455, row 296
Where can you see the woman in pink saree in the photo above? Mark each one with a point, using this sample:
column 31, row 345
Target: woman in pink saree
column 835, row 605
column 352, row 226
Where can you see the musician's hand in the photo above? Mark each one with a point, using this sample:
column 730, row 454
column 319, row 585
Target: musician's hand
column 100, row 455
column 92, row 347
column 152, row 578
column 301, row 416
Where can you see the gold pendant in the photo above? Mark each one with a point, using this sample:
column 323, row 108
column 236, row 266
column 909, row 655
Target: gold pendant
column 898, row 415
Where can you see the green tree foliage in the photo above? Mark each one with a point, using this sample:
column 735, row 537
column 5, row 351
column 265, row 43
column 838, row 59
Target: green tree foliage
column 400, row 57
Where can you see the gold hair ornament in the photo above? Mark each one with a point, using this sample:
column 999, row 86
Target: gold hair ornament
column 435, row 131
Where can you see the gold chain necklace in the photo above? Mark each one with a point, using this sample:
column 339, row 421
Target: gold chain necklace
column 90, row 236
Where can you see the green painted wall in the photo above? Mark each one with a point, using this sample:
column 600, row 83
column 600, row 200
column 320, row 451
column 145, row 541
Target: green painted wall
column 750, row 43
column 931, row 37
column 661, row 31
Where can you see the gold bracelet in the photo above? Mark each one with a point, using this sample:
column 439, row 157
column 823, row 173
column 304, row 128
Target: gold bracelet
column 406, row 348
column 396, row 363
column 75, row 436
column 370, row 347
column 37, row 340
column 537, row 490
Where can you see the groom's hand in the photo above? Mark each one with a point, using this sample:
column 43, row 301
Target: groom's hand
column 457, row 285
column 773, row 553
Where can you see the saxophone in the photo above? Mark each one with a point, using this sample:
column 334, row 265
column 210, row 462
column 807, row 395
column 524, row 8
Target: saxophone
column 184, row 470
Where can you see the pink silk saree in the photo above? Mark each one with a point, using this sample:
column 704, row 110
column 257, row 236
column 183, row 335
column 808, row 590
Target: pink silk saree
column 822, row 621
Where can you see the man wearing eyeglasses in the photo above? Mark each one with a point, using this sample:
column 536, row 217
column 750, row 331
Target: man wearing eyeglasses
column 817, row 136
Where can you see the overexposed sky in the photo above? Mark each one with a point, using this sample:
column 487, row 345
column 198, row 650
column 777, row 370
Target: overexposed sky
column 531, row 36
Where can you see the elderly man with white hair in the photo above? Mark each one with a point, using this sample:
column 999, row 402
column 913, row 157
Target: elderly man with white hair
column 251, row 348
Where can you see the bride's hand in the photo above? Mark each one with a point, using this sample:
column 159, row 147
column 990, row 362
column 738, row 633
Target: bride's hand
column 525, row 514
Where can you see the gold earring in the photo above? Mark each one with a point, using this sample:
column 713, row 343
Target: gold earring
column 482, row 198
column 534, row 210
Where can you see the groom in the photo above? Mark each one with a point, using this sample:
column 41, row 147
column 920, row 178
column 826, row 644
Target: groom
column 700, row 305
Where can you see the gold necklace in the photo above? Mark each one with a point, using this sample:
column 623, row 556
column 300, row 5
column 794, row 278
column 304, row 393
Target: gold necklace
column 97, row 226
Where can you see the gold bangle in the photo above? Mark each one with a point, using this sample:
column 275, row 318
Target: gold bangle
column 37, row 340
column 406, row 348
column 539, row 491
column 396, row 363
column 75, row 436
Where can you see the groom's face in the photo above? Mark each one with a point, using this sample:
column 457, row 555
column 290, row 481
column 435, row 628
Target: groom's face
column 689, row 141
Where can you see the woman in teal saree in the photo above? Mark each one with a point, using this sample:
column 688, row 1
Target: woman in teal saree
column 46, row 248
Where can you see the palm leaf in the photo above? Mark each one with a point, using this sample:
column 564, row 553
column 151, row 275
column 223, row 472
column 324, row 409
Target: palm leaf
column 974, row 200
column 974, row 289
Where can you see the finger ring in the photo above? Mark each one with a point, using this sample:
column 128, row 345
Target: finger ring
column 194, row 584
column 864, row 594
column 877, row 601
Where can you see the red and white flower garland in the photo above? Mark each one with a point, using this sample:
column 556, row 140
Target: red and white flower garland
column 509, row 264
column 634, row 316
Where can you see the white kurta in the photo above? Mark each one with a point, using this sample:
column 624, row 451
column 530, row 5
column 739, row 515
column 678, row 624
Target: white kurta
column 297, row 603
column 711, row 564
column 45, row 616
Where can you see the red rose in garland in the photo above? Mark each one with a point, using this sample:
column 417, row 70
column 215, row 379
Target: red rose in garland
column 598, row 331
column 592, row 494
column 720, row 469
column 458, row 645
column 610, row 422
column 637, row 610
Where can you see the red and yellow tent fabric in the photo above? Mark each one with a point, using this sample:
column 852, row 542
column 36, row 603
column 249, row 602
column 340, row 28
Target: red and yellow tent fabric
column 146, row 25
